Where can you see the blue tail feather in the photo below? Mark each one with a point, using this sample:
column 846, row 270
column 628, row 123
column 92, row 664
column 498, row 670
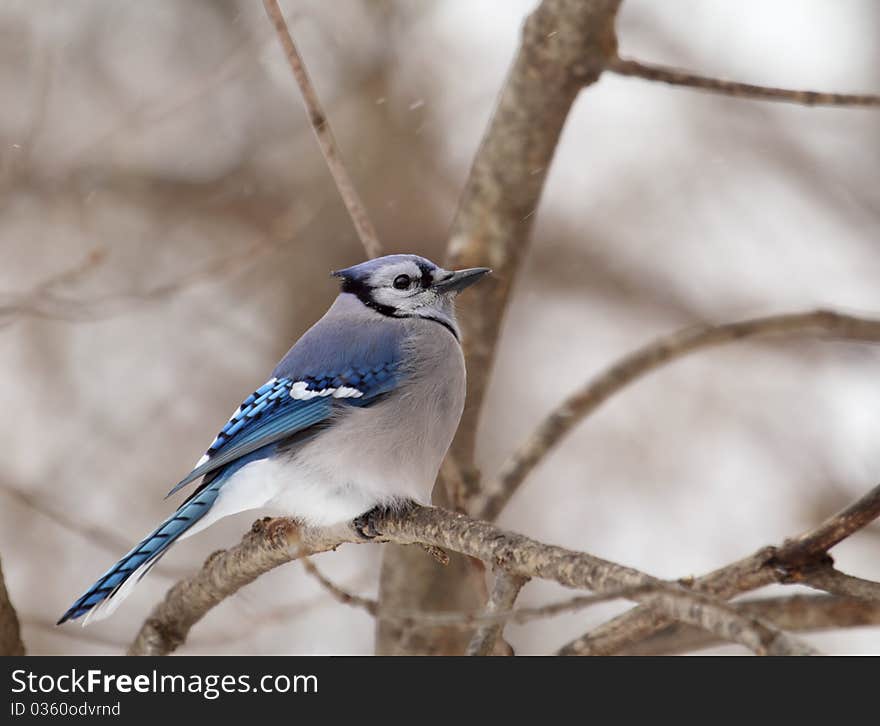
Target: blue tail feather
column 148, row 550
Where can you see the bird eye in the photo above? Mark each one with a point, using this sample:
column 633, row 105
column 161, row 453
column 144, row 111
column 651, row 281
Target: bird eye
column 401, row 282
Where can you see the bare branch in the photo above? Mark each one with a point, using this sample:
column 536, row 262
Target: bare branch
column 768, row 565
column 274, row 542
column 44, row 302
column 10, row 629
column 269, row 543
column 338, row 593
column 797, row 613
column 565, row 45
column 635, row 365
column 836, row 582
column 504, row 594
column 34, row 301
column 467, row 620
column 802, row 550
column 676, row 77
column 321, row 127
column 101, row 537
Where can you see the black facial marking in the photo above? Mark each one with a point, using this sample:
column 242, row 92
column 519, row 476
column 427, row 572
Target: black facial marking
column 362, row 291
column 427, row 278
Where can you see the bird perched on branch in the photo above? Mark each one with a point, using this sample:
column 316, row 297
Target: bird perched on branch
column 357, row 416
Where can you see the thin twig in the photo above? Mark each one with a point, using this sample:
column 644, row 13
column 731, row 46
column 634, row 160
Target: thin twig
column 796, row 613
column 33, row 301
column 766, row 566
column 664, row 350
column 467, row 620
column 339, row 593
column 321, row 127
column 44, row 303
column 98, row 536
column 676, row 77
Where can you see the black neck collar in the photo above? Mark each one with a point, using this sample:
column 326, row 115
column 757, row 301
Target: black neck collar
column 362, row 292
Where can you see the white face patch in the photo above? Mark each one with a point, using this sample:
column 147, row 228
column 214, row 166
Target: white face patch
column 386, row 275
column 406, row 301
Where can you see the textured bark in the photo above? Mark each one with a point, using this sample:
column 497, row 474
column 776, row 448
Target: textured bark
column 839, row 583
column 504, row 593
column 413, row 580
column 565, row 45
column 792, row 562
column 798, row 613
column 274, row 542
column 10, row 629
column 271, row 542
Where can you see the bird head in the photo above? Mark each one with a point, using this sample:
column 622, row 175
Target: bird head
column 404, row 286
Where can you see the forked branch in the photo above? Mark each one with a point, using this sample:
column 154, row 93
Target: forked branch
column 274, row 542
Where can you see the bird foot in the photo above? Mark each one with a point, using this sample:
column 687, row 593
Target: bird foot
column 367, row 525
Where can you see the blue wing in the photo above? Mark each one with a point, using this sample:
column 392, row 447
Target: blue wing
column 343, row 360
column 330, row 367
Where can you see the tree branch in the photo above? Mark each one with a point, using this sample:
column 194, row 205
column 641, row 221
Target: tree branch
column 10, row 629
column 839, row 583
column 34, row 302
column 676, row 77
column 274, row 542
column 664, row 350
column 339, row 594
column 321, row 127
column 269, row 543
column 504, row 593
column 466, row 620
column 797, row 613
column 565, row 45
column 803, row 550
column 768, row 565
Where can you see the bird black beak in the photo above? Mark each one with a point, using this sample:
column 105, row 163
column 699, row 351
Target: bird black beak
column 460, row 279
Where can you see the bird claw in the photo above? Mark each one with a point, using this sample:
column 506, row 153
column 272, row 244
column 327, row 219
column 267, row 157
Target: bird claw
column 367, row 524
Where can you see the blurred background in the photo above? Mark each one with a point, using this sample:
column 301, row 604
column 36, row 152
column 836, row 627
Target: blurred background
column 167, row 226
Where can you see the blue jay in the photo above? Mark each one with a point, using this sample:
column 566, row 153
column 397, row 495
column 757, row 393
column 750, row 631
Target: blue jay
column 358, row 415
